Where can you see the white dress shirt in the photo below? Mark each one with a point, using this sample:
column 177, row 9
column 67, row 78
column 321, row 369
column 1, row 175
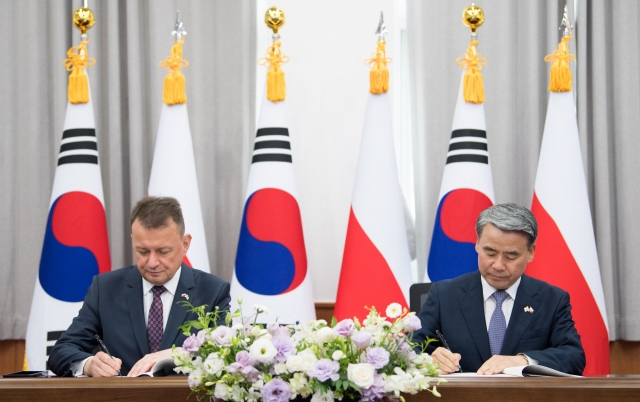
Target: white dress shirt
column 507, row 305
column 77, row 368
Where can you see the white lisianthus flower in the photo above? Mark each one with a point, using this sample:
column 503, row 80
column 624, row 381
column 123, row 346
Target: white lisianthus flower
column 263, row 351
column 196, row 378
column 324, row 335
column 323, row 397
column 361, row 374
column 394, row 310
column 338, row 355
column 222, row 391
column 213, row 364
column 308, row 359
column 260, row 309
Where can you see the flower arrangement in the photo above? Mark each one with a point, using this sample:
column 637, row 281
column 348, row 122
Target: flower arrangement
column 244, row 361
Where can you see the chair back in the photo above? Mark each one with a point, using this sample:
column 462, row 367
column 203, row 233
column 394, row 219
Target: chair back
column 418, row 295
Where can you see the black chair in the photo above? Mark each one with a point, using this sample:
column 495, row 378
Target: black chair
column 418, row 295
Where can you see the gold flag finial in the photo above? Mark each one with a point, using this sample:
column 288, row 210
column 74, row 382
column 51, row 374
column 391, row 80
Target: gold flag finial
column 472, row 61
column 276, row 86
column 78, row 58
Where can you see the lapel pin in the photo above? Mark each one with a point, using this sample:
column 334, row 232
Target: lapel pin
column 186, row 296
column 528, row 309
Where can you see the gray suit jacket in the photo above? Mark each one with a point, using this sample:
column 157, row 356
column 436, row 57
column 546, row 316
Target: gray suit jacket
column 114, row 309
column 456, row 308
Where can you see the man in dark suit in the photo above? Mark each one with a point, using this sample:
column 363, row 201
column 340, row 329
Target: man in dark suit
column 134, row 309
column 497, row 317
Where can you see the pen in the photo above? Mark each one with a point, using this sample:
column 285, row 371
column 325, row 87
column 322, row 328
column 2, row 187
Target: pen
column 444, row 343
column 105, row 350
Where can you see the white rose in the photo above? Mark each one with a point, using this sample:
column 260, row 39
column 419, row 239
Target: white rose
column 324, row 335
column 213, row 365
column 263, row 351
column 337, row 355
column 280, row 368
column 323, row 397
column 294, row 363
column 221, row 391
column 361, row 374
column 308, row 359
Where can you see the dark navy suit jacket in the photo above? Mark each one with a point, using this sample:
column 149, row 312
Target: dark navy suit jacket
column 456, row 308
column 114, row 309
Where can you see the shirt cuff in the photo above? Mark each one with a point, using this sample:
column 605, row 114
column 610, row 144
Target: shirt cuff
column 77, row 368
column 529, row 359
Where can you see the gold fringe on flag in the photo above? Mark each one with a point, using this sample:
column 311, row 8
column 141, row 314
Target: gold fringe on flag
column 276, row 86
column 77, row 60
column 174, row 92
column 379, row 74
column 560, row 71
column 25, row 365
column 472, row 62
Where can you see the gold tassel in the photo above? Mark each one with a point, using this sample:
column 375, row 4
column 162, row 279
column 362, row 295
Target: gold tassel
column 174, row 92
column 276, row 86
column 76, row 62
column 25, row 365
column 379, row 74
column 560, row 71
column 472, row 62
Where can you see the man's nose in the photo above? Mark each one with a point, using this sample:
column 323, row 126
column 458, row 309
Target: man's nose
column 153, row 260
column 498, row 263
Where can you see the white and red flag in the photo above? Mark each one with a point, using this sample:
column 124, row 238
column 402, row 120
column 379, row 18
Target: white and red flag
column 566, row 253
column 76, row 245
column 173, row 172
column 467, row 184
column 271, row 262
column 376, row 265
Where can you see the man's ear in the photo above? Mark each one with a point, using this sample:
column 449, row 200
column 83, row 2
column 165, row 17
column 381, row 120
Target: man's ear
column 186, row 242
column 532, row 251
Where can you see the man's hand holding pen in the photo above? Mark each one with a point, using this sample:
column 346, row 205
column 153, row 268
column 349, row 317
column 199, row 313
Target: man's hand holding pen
column 449, row 362
column 102, row 365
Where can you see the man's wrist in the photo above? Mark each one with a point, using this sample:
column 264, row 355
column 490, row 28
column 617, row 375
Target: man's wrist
column 525, row 357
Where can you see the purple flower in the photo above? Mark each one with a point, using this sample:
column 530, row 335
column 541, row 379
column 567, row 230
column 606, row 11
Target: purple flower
column 377, row 357
column 325, row 369
column 285, row 346
column 345, row 328
column 191, row 344
column 403, row 348
column 276, row 390
column 375, row 391
column 222, row 335
column 244, row 364
column 362, row 339
column 276, row 329
column 412, row 323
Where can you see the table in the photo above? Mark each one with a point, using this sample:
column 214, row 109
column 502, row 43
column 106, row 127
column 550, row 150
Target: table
column 616, row 388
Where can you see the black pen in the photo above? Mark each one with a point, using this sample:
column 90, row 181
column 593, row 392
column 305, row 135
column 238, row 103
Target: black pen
column 444, row 343
column 105, row 350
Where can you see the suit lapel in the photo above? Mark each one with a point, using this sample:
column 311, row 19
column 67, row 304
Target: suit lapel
column 136, row 310
column 520, row 319
column 472, row 305
column 178, row 313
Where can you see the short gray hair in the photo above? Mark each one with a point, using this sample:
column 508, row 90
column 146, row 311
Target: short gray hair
column 509, row 217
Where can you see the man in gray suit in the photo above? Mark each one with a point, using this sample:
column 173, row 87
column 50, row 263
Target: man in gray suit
column 134, row 309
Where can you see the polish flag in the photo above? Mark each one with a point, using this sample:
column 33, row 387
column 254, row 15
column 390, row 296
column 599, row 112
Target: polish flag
column 173, row 174
column 76, row 245
column 466, row 190
column 376, row 266
column 271, row 262
column 566, row 253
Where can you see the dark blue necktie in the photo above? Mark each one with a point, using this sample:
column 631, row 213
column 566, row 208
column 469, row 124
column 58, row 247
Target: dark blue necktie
column 497, row 324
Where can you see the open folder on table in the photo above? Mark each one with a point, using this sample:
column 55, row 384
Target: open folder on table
column 532, row 370
column 158, row 369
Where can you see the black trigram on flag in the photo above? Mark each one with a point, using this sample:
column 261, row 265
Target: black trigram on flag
column 468, row 145
column 272, row 145
column 52, row 338
column 78, row 145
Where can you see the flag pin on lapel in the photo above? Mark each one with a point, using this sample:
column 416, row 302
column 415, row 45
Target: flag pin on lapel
column 528, row 309
column 186, row 296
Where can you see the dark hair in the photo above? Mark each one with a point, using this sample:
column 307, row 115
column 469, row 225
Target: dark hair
column 509, row 217
column 154, row 213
